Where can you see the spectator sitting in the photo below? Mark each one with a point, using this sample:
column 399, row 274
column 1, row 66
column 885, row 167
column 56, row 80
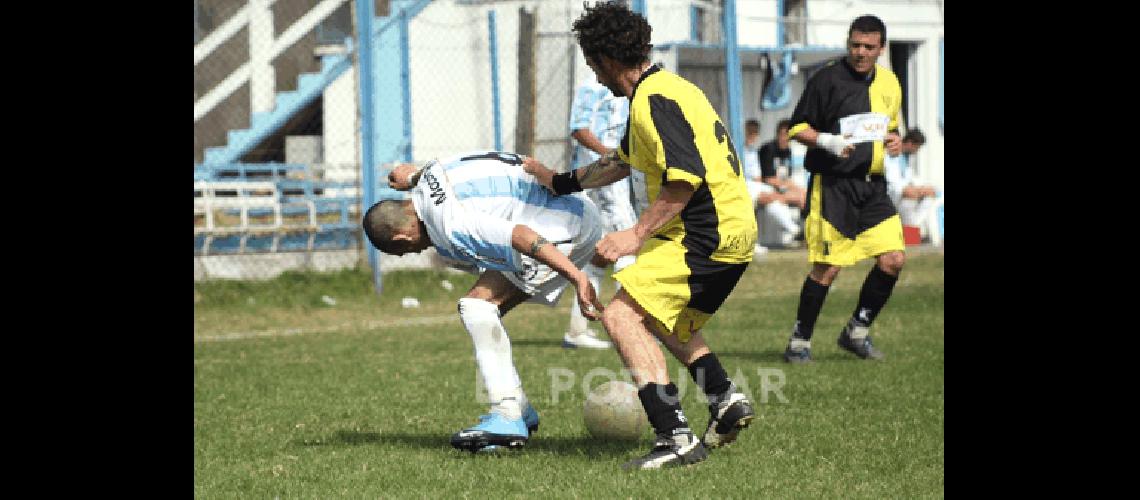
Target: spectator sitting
column 914, row 201
column 767, row 190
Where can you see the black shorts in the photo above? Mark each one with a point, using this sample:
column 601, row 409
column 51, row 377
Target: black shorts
column 850, row 219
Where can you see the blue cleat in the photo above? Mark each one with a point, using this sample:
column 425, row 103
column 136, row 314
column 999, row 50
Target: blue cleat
column 493, row 429
column 530, row 418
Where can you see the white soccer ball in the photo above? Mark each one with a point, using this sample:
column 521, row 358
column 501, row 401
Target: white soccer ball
column 613, row 411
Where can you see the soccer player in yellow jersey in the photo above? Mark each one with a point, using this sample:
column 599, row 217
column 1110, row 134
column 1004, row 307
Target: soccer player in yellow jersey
column 848, row 116
column 693, row 241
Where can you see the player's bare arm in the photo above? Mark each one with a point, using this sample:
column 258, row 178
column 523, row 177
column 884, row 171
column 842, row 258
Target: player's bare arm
column 528, row 242
column 404, row 176
column 673, row 198
column 606, row 170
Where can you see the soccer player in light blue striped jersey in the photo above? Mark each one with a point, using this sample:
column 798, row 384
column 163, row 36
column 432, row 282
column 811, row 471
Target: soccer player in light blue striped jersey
column 481, row 209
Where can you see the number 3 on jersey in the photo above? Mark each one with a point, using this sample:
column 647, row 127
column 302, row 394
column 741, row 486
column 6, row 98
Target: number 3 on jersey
column 721, row 136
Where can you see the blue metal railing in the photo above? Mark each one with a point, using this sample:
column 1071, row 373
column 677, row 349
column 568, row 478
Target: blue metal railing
column 495, row 79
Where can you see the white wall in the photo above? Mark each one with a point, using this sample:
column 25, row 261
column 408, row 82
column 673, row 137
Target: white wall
column 341, row 130
column 669, row 20
column 451, row 79
column 753, row 31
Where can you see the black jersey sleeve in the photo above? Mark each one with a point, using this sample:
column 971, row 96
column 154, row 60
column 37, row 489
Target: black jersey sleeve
column 820, row 108
column 810, row 108
column 767, row 160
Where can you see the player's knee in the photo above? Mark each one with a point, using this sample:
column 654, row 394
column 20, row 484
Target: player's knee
column 470, row 307
column 477, row 314
column 609, row 318
column 892, row 263
column 612, row 318
column 824, row 274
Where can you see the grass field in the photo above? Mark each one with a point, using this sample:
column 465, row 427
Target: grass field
column 294, row 397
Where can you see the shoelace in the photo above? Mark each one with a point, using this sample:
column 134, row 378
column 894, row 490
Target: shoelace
column 663, row 444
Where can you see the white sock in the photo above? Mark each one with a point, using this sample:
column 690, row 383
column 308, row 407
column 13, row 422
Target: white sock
column 783, row 215
column 578, row 322
column 493, row 356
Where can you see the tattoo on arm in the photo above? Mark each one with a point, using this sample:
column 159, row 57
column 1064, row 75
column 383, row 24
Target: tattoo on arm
column 605, row 170
column 537, row 244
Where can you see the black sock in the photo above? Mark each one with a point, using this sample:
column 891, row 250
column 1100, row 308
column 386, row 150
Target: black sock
column 876, row 290
column 663, row 407
column 812, row 296
column 710, row 375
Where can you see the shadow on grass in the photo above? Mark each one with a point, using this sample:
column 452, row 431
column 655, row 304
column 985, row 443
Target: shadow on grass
column 584, row 446
column 769, row 355
column 590, row 447
column 776, row 356
column 357, row 438
column 537, row 342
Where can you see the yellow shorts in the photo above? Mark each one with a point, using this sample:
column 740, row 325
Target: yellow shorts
column 850, row 219
column 679, row 290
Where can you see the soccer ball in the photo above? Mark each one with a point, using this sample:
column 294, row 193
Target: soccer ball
column 613, row 411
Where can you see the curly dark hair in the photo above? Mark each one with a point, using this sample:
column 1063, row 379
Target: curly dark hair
column 612, row 30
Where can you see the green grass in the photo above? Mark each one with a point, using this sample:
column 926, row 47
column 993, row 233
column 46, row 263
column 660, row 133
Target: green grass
column 358, row 400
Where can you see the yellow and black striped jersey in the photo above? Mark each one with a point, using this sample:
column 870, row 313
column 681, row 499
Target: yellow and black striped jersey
column 674, row 134
column 837, row 92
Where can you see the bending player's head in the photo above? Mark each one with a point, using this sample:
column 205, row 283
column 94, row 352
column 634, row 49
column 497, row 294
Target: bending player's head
column 612, row 37
column 393, row 228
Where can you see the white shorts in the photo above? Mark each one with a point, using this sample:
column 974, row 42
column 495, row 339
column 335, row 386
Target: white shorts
column 757, row 188
column 614, row 205
column 544, row 284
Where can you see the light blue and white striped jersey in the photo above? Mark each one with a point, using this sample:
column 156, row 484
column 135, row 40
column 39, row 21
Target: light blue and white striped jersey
column 751, row 161
column 897, row 174
column 606, row 115
column 470, row 204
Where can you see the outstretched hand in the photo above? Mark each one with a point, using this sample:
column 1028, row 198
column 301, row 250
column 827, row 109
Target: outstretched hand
column 398, row 177
column 588, row 301
column 543, row 175
column 616, row 245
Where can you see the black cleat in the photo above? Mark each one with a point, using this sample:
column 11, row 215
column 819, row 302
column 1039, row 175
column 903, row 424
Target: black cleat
column 727, row 418
column 798, row 351
column 854, row 339
column 671, row 449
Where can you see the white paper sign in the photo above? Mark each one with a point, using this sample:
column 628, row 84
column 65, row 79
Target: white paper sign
column 864, row 127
